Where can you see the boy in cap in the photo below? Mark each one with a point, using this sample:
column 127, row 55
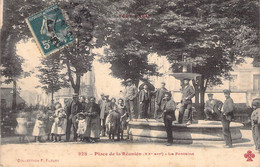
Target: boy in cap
column 226, row 117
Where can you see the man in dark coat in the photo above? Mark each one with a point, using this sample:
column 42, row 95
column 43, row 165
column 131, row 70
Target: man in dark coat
column 72, row 109
column 130, row 96
column 212, row 108
column 226, row 117
column 168, row 108
column 144, row 99
column 188, row 93
column 158, row 99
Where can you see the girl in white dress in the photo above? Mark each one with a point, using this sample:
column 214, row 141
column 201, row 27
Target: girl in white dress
column 59, row 126
column 22, row 126
column 39, row 127
column 82, row 126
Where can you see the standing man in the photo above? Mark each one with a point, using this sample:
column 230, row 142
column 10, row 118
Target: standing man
column 158, row 99
column 226, row 117
column 255, row 121
column 72, row 109
column 103, row 114
column 82, row 100
column 188, row 93
column 130, row 95
column 168, row 108
column 144, row 99
column 101, row 100
column 212, row 108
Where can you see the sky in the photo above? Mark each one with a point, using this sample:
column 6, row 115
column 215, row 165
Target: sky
column 28, row 50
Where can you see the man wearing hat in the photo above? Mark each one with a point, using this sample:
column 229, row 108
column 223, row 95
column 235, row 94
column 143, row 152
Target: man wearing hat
column 103, row 114
column 212, row 108
column 158, row 98
column 255, row 121
column 168, row 107
column 72, row 109
column 188, row 93
column 144, row 99
column 130, row 95
column 226, row 117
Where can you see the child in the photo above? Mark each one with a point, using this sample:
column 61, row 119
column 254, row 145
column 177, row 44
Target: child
column 82, row 125
column 124, row 115
column 39, row 127
column 49, row 122
column 22, row 125
column 59, row 126
column 113, row 121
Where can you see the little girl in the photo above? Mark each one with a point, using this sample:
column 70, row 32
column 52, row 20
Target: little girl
column 82, row 126
column 39, row 127
column 123, row 119
column 59, row 126
column 22, row 125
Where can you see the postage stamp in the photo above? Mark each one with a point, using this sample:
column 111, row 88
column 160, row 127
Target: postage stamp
column 50, row 30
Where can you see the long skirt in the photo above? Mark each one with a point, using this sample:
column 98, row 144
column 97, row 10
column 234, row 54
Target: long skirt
column 93, row 127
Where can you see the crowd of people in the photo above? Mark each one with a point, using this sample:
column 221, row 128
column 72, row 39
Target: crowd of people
column 89, row 119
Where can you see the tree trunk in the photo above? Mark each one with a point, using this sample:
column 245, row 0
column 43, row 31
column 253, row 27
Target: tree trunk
column 77, row 85
column 14, row 95
column 197, row 92
column 203, row 87
column 52, row 100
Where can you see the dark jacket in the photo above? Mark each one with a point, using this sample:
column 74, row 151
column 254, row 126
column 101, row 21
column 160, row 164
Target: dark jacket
column 168, row 108
column 73, row 108
column 188, row 93
column 159, row 95
column 228, row 109
column 144, row 96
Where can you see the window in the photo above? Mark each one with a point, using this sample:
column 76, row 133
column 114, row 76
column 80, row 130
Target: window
column 233, row 82
column 256, row 83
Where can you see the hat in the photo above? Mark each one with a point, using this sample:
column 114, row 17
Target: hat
column 256, row 103
column 129, row 80
column 102, row 94
column 106, row 95
column 169, row 93
column 210, row 94
column 186, row 79
column 75, row 95
column 226, row 91
column 163, row 83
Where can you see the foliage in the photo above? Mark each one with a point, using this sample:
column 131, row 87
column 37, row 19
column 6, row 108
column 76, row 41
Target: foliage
column 51, row 77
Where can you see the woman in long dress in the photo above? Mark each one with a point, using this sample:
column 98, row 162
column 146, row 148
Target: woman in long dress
column 93, row 121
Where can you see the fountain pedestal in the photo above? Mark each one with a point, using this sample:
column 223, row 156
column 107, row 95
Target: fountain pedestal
column 151, row 130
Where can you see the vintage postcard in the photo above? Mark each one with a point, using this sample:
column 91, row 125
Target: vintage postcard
column 130, row 83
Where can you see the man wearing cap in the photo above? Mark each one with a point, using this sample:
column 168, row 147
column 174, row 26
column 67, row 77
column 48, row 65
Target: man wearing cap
column 212, row 108
column 103, row 114
column 72, row 109
column 130, row 95
column 168, row 107
column 255, row 121
column 144, row 99
column 188, row 93
column 158, row 98
column 102, row 99
column 226, row 117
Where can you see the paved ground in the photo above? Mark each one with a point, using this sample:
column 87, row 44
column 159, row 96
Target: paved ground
column 127, row 153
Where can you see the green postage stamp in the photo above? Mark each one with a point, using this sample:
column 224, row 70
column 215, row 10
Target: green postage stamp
column 50, row 30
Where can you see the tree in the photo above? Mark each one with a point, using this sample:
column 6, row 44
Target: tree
column 50, row 76
column 214, row 35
